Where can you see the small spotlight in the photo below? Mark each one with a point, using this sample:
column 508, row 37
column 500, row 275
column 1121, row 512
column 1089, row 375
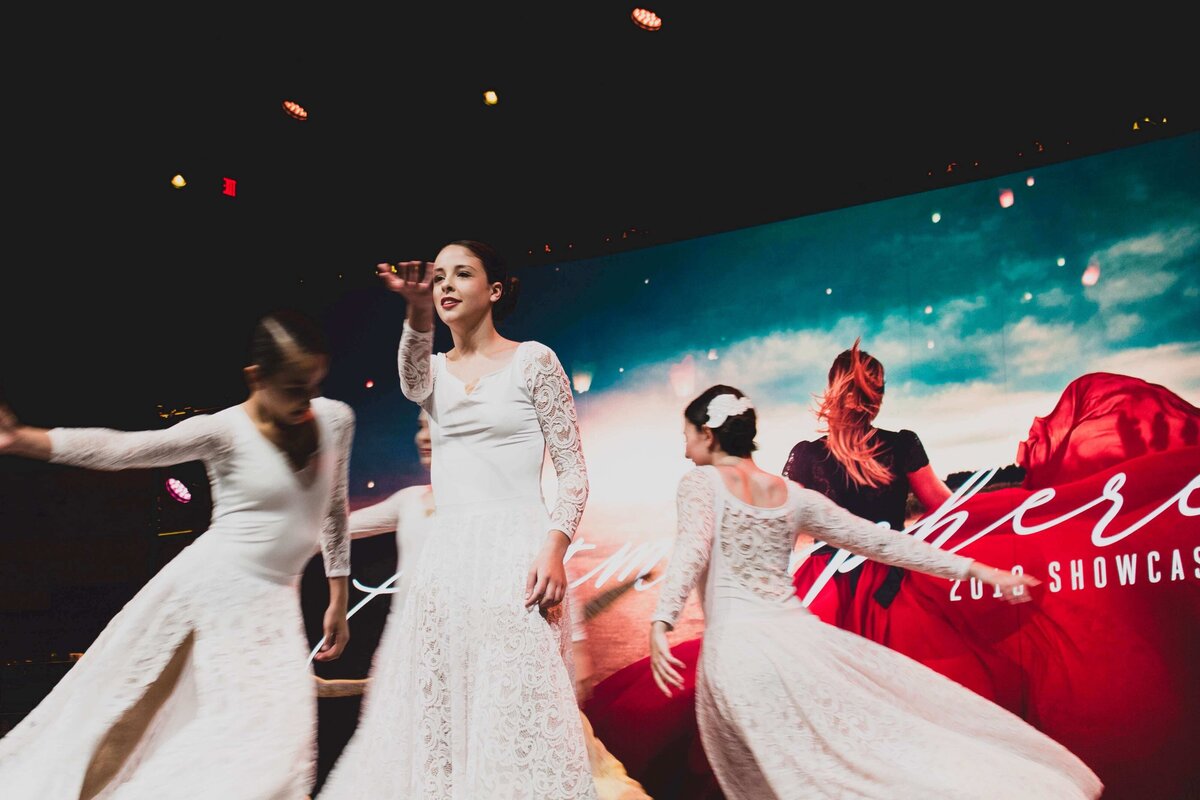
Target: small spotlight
column 295, row 110
column 1006, row 198
column 1025, row 298
column 582, row 381
column 370, row 484
column 928, row 309
column 490, row 98
column 929, row 345
column 1062, row 262
column 370, row 384
column 646, row 19
column 937, row 217
column 178, row 182
column 1029, row 181
column 1091, row 275
column 178, row 490
column 712, row 354
column 829, row 291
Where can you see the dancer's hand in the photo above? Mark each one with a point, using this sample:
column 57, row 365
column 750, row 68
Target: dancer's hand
column 662, row 663
column 411, row 279
column 8, row 427
column 337, row 634
column 1013, row 587
column 546, row 583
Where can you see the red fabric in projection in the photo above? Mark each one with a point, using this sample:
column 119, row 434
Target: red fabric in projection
column 1104, row 657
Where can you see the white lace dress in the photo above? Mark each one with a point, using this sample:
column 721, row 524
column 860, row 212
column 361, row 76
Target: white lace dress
column 199, row 687
column 791, row 707
column 471, row 695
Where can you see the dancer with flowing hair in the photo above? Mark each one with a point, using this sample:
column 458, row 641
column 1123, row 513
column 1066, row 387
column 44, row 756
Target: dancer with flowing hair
column 868, row 471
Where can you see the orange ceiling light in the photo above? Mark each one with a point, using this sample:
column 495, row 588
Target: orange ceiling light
column 295, row 110
column 646, row 19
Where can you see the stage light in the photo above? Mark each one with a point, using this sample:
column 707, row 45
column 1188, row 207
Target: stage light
column 1091, row 275
column 1029, row 181
column 937, row 217
column 582, row 381
column 295, row 110
column 928, row 309
column 829, row 291
column 1062, row 262
column 178, row 182
column 646, row 19
column 178, row 490
column 1025, row 298
column 370, row 384
column 370, row 484
column 929, row 345
column 490, row 98
column 712, row 355
column 1006, row 198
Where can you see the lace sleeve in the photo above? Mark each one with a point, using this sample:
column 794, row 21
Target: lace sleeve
column 335, row 541
column 200, row 438
column 695, row 520
column 829, row 522
column 550, row 392
column 414, row 362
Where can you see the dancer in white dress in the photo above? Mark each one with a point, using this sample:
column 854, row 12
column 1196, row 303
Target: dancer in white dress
column 476, row 699
column 409, row 513
column 789, row 706
column 199, row 687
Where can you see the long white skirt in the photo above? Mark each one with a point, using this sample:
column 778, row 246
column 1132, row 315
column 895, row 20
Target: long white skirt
column 198, row 688
column 789, row 706
column 471, row 696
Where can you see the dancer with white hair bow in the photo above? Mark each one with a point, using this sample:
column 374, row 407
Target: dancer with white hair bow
column 789, row 706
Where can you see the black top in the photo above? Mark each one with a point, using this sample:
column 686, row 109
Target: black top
column 811, row 465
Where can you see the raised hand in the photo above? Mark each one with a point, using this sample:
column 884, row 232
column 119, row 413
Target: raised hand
column 411, row 279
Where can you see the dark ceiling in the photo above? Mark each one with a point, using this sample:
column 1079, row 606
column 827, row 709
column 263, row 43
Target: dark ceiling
column 730, row 115
column 606, row 137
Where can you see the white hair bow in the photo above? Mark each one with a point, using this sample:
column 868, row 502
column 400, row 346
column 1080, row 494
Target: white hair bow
column 724, row 406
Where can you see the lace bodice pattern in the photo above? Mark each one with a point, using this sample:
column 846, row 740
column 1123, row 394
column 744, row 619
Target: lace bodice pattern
column 489, row 442
column 748, row 564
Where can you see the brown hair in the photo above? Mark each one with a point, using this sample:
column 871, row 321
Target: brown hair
column 846, row 411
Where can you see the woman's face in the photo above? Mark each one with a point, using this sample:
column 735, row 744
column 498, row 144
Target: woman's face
column 286, row 395
column 461, row 292
column 697, row 444
column 424, row 442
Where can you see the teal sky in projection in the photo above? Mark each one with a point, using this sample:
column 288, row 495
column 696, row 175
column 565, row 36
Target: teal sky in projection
column 989, row 274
